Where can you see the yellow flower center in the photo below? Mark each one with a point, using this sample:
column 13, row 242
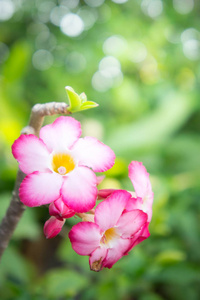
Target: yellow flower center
column 109, row 236
column 62, row 163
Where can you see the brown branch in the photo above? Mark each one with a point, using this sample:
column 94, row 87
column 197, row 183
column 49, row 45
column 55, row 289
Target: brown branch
column 39, row 111
column 16, row 207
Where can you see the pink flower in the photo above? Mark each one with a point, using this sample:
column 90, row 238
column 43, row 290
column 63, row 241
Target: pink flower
column 112, row 233
column 58, row 164
column 60, row 210
column 142, row 198
column 52, row 227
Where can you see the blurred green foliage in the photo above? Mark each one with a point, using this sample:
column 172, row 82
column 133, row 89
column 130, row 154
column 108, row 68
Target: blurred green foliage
column 139, row 60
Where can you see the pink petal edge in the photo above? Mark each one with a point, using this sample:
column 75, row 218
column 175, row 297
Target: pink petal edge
column 31, row 153
column 114, row 254
column 40, row 188
column 93, row 154
column 108, row 212
column 52, row 227
column 131, row 222
column 85, row 237
column 139, row 178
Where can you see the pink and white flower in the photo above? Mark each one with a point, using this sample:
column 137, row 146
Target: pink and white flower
column 142, row 198
column 59, row 163
column 111, row 234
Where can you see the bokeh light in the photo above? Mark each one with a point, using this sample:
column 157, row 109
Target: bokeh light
column 100, row 82
column 172, row 35
column 71, row 4
column 138, row 52
column 115, row 45
column 190, row 33
column 45, row 40
column 94, row 3
column 7, row 9
column 72, row 25
column 183, row 6
column 152, row 8
column 42, row 60
column 89, row 17
column 191, row 49
column 191, row 43
column 119, row 1
column 108, row 75
column 44, row 9
column 57, row 13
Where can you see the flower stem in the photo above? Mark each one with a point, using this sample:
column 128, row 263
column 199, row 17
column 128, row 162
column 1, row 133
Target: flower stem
column 16, row 207
column 86, row 217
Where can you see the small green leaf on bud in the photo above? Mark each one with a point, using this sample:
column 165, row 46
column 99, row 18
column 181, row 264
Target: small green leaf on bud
column 78, row 102
column 74, row 99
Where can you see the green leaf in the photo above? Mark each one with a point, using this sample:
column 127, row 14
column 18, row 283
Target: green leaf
column 78, row 102
column 74, row 100
column 88, row 105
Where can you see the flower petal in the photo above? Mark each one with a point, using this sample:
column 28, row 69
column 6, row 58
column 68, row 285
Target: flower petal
column 108, row 212
column 85, row 237
column 31, row 153
column 60, row 210
column 114, row 254
column 96, row 258
column 79, row 189
column 40, row 188
column 105, row 193
column 134, row 203
column 94, row 154
column 131, row 222
column 138, row 203
column 61, row 134
column 139, row 178
column 143, row 234
column 142, row 185
column 140, row 236
column 52, row 227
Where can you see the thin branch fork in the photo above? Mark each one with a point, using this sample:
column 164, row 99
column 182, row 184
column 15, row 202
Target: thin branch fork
column 16, row 207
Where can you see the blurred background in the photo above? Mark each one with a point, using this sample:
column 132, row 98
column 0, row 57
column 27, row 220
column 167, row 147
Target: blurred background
column 140, row 61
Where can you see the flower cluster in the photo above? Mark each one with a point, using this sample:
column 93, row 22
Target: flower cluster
column 60, row 171
column 120, row 222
